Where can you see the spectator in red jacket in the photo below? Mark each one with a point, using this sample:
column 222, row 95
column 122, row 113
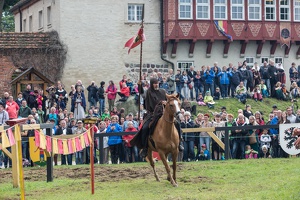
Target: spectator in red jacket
column 111, row 94
column 124, row 80
column 124, row 92
column 130, row 152
column 12, row 108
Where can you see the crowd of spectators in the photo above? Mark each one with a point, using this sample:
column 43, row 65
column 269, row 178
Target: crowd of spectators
column 201, row 86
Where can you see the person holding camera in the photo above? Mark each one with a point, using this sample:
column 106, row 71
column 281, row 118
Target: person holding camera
column 209, row 79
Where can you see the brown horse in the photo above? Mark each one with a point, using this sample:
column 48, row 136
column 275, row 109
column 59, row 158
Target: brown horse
column 165, row 138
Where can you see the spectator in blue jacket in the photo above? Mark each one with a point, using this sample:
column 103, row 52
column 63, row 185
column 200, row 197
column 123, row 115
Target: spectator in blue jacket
column 224, row 81
column 274, row 134
column 114, row 142
column 209, row 79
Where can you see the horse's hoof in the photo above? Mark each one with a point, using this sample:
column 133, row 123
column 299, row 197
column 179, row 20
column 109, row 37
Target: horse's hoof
column 175, row 185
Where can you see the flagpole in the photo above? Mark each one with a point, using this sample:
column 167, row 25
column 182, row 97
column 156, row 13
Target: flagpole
column 141, row 63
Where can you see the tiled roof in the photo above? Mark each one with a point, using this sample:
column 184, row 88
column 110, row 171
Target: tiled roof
column 26, row 40
column 19, row 4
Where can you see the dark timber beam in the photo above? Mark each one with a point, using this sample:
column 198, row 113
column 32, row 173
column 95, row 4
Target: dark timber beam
column 298, row 52
column 243, row 48
column 209, row 47
column 174, row 48
column 226, row 48
column 273, row 48
column 165, row 47
column 260, row 45
column 287, row 51
column 192, row 47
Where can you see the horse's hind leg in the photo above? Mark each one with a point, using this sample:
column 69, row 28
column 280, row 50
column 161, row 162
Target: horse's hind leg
column 150, row 158
column 164, row 160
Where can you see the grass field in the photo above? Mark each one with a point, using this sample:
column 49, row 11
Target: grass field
column 232, row 179
column 233, row 105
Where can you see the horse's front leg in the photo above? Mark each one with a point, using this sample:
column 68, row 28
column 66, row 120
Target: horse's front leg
column 164, row 160
column 150, row 158
column 174, row 159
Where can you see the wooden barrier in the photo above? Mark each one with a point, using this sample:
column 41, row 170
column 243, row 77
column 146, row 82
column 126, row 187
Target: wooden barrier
column 209, row 130
column 49, row 156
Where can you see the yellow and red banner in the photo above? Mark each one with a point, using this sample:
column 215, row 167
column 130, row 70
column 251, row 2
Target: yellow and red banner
column 61, row 145
column 8, row 138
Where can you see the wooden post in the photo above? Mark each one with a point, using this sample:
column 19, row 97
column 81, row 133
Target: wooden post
column 15, row 165
column 49, row 159
column 92, row 161
column 17, row 134
column 227, row 145
column 101, row 150
column 91, row 122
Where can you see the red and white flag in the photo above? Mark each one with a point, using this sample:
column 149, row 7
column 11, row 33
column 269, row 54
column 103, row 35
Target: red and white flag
column 135, row 40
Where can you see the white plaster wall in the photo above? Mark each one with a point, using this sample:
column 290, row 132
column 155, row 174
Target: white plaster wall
column 34, row 12
column 95, row 33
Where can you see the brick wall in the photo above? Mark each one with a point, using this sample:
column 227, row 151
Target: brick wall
column 6, row 70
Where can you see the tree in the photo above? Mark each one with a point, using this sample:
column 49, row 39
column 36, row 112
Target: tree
column 5, row 5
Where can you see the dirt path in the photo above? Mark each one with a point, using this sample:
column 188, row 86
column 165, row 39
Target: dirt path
column 102, row 173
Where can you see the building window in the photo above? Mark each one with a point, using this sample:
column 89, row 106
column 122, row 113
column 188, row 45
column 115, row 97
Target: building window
column 41, row 24
column 270, row 7
column 254, row 10
column 48, row 15
column 135, row 12
column 278, row 60
column 250, row 61
column 237, row 9
column 24, row 25
column 297, row 10
column 30, row 23
column 185, row 9
column 263, row 59
column 284, row 8
column 203, row 9
column 220, row 9
column 184, row 65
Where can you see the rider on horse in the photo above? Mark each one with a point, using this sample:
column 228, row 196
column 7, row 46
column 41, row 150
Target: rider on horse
column 154, row 96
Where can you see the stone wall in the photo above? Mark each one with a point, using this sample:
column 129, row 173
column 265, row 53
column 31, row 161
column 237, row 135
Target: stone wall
column 133, row 70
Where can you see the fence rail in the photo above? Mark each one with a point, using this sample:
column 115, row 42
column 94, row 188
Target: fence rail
column 186, row 130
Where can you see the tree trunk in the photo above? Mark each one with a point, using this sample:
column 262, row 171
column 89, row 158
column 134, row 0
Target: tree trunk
column 1, row 12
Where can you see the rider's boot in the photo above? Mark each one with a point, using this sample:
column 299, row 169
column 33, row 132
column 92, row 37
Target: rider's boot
column 144, row 152
column 180, row 146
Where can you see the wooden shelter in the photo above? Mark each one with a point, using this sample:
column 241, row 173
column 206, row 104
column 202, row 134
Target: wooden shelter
column 32, row 77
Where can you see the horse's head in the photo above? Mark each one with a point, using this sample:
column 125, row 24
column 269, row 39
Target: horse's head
column 174, row 103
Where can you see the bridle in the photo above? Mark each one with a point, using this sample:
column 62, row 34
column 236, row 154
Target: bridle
column 169, row 121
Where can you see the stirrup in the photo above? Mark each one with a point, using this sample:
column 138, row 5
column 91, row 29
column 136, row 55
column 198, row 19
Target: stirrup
column 144, row 152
